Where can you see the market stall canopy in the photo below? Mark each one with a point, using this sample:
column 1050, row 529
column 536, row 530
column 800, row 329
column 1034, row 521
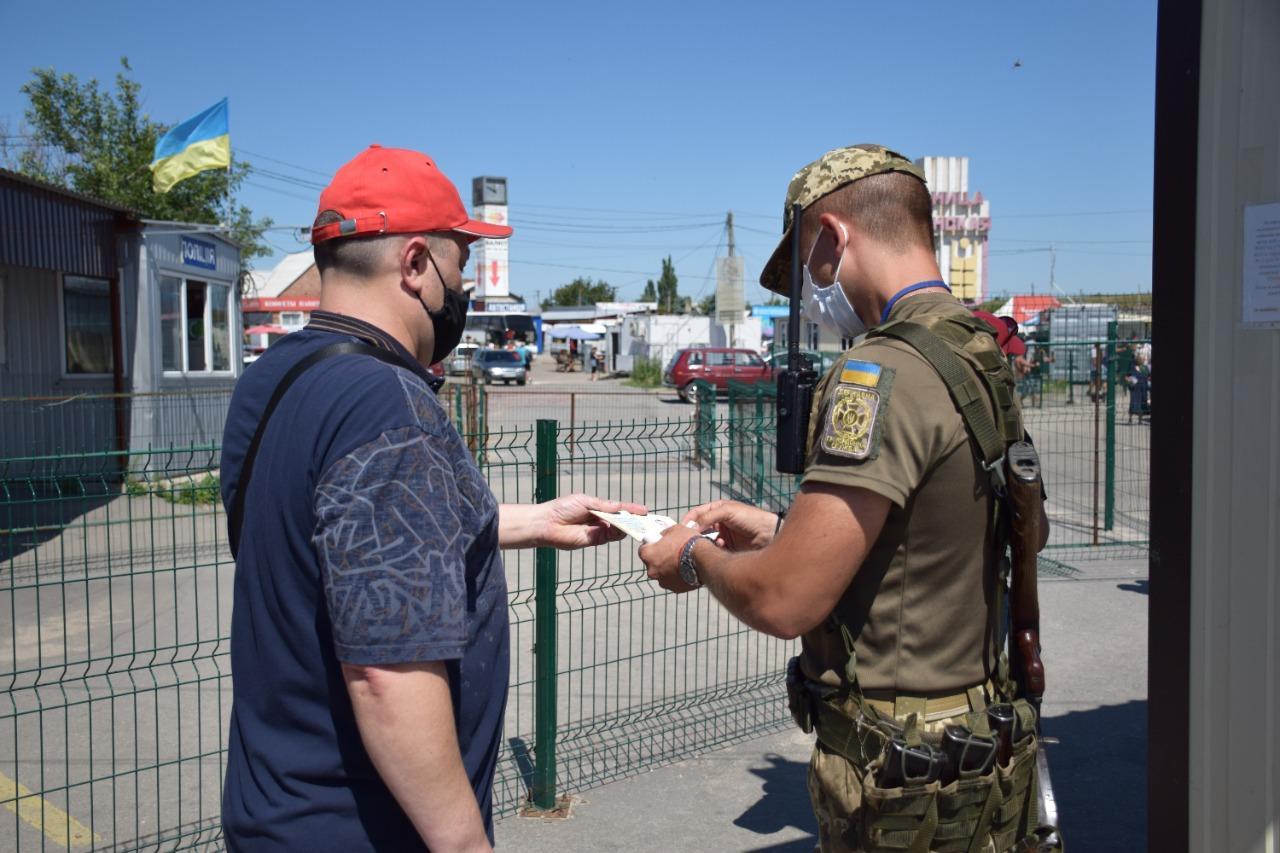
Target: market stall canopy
column 266, row 330
column 574, row 333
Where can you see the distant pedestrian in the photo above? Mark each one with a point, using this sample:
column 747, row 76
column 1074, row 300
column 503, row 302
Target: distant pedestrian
column 597, row 363
column 1139, row 382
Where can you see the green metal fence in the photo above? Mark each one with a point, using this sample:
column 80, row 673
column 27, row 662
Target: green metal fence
column 115, row 590
column 115, row 595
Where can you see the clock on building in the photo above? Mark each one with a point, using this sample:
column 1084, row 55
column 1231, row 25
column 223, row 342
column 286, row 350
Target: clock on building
column 486, row 190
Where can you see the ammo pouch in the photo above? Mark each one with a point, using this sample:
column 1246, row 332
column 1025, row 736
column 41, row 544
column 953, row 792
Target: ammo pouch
column 1001, row 805
column 799, row 701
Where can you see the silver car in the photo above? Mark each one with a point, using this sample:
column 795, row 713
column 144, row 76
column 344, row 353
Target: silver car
column 498, row 365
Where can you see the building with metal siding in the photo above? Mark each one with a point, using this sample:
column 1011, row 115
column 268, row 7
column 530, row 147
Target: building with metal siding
column 84, row 363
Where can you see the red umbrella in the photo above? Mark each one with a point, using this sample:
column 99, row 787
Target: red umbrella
column 266, row 330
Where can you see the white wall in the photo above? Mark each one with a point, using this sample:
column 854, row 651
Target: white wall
column 1235, row 587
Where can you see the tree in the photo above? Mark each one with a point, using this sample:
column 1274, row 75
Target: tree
column 650, row 292
column 100, row 143
column 581, row 291
column 669, row 299
column 707, row 307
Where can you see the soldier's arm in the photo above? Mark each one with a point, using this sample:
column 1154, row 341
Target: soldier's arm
column 790, row 586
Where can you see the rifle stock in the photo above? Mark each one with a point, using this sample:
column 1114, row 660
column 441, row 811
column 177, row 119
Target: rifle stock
column 1024, row 485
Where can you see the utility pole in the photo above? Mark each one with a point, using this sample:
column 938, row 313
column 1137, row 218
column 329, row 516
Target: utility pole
column 728, row 224
column 1053, row 262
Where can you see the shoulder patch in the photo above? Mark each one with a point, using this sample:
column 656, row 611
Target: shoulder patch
column 854, row 415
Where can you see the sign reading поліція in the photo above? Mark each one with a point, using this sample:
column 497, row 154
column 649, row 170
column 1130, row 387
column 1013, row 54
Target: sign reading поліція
column 198, row 253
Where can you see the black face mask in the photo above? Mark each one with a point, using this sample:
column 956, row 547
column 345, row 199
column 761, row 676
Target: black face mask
column 449, row 322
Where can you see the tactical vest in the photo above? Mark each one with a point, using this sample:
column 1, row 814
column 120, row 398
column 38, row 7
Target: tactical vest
column 1001, row 805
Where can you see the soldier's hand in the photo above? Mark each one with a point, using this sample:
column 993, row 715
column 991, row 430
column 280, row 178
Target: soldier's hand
column 742, row 527
column 662, row 557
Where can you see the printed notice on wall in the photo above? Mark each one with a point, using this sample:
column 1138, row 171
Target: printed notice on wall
column 1261, row 303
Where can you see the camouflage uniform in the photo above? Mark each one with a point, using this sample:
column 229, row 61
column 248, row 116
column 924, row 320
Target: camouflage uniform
column 921, row 610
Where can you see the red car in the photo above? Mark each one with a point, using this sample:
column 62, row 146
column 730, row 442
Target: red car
column 716, row 365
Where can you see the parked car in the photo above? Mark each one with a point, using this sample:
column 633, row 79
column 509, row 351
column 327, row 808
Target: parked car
column 498, row 365
column 716, row 365
column 459, row 361
column 820, row 361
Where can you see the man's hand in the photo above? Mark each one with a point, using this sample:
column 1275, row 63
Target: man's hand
column 742, row 527
column 565, row 523
column 663, row 557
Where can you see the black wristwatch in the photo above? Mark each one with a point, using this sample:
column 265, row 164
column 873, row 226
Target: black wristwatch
column 688, row 569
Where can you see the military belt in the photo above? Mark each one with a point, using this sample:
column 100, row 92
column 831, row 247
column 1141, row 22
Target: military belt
column 930, row 708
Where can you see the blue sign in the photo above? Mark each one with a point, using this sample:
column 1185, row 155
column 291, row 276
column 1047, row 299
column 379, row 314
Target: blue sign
column 198, row 253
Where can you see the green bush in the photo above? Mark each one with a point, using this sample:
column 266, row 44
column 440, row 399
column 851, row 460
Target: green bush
column 190, row 491
column 646, row 373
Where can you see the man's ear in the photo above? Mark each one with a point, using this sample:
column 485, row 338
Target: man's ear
column 836, row 230
column 414, row 266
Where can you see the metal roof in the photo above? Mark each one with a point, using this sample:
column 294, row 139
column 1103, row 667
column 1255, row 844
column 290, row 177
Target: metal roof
column 18, row 177
column 50, row 227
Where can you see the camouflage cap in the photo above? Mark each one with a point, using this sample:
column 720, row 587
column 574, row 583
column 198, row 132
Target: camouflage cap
column 828, row 173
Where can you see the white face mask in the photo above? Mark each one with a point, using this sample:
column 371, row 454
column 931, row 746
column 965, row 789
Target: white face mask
column 829, row 306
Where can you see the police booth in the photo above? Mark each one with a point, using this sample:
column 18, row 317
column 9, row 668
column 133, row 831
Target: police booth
column 188, row 352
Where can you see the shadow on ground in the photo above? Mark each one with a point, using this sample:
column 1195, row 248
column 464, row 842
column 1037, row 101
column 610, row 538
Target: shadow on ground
column 784, row 802
column 1142, row 587
column 1099, row 770
column 1099, row 777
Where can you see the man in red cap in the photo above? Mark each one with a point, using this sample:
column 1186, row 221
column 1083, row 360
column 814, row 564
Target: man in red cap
column 369, row 635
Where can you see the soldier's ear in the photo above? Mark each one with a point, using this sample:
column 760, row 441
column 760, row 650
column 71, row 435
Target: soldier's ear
column 834, row 233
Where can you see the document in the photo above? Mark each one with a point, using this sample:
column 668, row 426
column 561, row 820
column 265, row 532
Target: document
column 642, row 528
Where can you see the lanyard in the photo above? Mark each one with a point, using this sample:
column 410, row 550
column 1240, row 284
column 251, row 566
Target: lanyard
column 912, row 288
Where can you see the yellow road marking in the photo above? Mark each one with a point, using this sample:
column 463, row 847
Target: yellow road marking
column 59, row 826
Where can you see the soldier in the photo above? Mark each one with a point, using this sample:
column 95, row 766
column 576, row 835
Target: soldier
column 888, row 564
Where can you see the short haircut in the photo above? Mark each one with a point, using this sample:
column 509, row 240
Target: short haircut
column 893, row 208
column 360, row 256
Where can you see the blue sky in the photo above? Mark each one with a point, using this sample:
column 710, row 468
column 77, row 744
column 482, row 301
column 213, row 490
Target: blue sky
column 627, row 130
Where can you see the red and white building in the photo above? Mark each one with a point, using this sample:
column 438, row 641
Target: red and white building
column 961, row 227
column 281, row 300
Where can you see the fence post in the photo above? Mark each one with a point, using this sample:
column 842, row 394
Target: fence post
column 759, row 445
column 543, row 791
column 1109, row 512
column 1071, row 376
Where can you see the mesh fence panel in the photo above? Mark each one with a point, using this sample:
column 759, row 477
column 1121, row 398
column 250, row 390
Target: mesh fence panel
column 116, row 584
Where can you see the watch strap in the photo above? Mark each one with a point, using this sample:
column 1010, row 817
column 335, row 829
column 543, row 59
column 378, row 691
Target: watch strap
column 689, row 569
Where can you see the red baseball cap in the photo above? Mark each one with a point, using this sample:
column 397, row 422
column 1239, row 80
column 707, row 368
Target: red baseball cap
column 1006, row 329
column 396, row 191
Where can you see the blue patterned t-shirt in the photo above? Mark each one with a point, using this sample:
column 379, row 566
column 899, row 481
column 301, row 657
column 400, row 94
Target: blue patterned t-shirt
column 369, row 537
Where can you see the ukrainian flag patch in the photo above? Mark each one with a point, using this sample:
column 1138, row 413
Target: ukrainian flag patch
column 864, row 373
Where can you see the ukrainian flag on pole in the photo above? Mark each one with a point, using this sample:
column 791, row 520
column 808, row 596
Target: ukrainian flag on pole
column 199, row 143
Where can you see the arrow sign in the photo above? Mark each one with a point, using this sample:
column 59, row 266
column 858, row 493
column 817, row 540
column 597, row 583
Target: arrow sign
column 493, row 273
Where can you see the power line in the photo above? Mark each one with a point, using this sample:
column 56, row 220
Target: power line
column 325, row 175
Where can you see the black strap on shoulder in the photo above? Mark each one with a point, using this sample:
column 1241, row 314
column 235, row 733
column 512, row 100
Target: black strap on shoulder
column 962, row 384
column 235, row 519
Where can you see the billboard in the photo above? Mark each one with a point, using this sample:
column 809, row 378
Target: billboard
column 491, row 255
column 730, row 303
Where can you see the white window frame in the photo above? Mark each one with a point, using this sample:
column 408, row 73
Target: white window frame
column 302, row 319
column 233, row 345
column 62, row 328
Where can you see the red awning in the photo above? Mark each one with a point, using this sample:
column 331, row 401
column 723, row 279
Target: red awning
column 266, row 330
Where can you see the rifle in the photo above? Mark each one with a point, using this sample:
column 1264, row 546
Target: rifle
column 1024, row 488
column 1025, row 492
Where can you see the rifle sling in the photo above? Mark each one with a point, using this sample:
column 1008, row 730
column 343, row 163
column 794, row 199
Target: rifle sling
column 962, row 385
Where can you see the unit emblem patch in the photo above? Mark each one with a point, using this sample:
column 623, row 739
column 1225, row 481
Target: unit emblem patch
column 851, row 421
